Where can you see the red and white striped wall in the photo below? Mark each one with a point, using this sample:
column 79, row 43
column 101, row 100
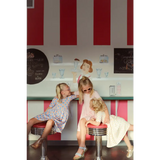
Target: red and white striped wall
column 67, row 16
column 124, row 110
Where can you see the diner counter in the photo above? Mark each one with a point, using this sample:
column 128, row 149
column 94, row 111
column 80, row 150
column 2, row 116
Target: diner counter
column 122, row 106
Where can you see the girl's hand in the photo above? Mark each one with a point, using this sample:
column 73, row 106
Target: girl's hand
column 93, row 122
column 88, row 122
column 92, row 119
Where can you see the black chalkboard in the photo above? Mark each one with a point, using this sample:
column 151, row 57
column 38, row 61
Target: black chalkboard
column 123, row 60
column 37, row 66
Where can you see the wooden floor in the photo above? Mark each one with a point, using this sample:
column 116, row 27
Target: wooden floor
column 67, row 153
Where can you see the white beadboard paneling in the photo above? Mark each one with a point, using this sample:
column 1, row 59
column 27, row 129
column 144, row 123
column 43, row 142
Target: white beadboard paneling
column 70, row 130
column 130, row 118
column 34, row 108
column 108, row 103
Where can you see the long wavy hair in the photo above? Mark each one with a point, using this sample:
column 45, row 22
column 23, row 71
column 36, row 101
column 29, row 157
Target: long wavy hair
column 98, row 104
column 59, row 88
column 83, row 82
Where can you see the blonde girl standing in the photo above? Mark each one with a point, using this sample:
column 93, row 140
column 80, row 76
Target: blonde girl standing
column 117, row 127
column 86, row 93
column 56, row 114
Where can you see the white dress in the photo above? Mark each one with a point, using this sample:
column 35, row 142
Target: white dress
column 116, row 130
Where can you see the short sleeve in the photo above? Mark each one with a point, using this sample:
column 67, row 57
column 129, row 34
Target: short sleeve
column 99, row 117
column 96, row 95
column 53, row 103
column 72, row 97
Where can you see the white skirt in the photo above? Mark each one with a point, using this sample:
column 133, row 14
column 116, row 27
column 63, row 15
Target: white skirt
column 116, row 130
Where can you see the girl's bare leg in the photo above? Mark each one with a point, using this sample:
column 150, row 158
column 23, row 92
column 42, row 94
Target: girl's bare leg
column 46, row 131
column 83, row 132
column 31, row 122
column 48, row 128
column 82, row 139
column 128, row 143
column 78, row 137
column 126, row 139
column 131, row 128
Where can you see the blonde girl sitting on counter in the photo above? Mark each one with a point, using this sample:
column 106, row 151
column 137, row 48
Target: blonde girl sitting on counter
column 117, row 127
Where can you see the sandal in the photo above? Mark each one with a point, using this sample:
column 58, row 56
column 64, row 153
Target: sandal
column 80, row 155
column 130, row 153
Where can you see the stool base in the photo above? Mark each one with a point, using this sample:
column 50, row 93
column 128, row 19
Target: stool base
column 44, row 158
column 98, row 158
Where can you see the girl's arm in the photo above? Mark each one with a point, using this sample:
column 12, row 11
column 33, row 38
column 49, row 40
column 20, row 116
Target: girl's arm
column 76, row 93
column 93, row 122
column 107, row 117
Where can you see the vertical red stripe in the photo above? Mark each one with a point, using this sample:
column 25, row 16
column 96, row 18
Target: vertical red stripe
column 68, row 22
column 123, row 109
column 46, row 104
column 25, row 111
column 102, row 14
column 129, row 22
column 56, row 136
column 88, row 137
column 113, row 105
column 35, row 23
column 25, row 26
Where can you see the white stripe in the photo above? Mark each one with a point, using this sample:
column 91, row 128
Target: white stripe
column 119, row 23
column 85, row 23
column 130, row 118
column 51, row 26
column 34, row 108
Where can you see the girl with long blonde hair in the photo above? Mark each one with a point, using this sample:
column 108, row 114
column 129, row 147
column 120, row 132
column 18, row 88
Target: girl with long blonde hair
column 56, row 114
column 86, row 93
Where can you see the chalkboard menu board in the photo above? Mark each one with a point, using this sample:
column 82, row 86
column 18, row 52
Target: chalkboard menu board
column 123, row 60
column 37, row 66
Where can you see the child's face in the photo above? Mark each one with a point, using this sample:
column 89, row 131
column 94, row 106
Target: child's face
column 86, row 89
column 85, row 67
column 66, row 90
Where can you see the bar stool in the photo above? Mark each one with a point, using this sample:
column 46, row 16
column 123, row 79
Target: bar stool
column 37, row 129
column 98, row 131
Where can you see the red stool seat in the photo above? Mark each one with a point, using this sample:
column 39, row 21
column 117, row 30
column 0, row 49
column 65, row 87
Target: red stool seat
column 38, row 128
column 100, row 126
column 40, row 125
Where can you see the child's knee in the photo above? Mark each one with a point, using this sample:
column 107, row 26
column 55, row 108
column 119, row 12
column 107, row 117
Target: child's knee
column 50, row 122
column 31, row 122
column 83, row 121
